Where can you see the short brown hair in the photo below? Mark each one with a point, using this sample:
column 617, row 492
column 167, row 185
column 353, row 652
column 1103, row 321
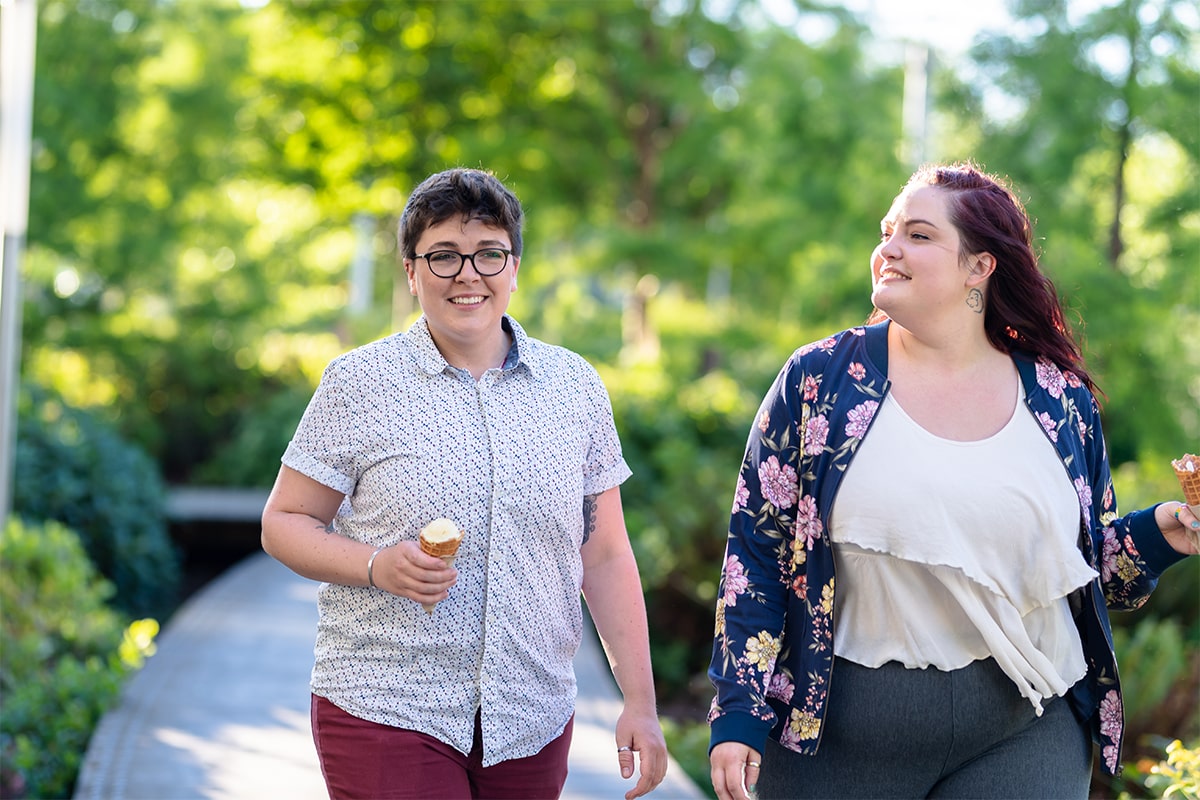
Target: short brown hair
column 460, row 192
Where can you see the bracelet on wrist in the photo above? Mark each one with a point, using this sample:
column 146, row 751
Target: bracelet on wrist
column 371, row 568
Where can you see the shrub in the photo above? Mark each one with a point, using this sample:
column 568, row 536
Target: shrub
column 65, row 654
column 250, row 456
column 683, row 442
column 688, row 745
column 1178, row 775
column 1153, row 659
column 73, row 469
column 1174, row 772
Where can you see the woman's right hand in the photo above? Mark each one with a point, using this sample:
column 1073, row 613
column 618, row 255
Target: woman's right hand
column 735, row 769
column 405, row 570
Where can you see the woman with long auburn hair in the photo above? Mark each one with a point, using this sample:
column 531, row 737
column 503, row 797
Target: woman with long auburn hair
column 924, row 541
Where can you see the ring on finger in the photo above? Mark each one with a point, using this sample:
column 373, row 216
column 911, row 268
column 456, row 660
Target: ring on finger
column 1177, row 510
column 754, row 764
column 624, row 749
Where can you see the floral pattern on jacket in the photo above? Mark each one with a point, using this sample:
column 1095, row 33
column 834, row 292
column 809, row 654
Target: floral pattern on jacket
column 773, row 646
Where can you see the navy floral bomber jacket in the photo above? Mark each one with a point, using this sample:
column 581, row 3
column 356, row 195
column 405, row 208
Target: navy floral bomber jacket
column 773, row 649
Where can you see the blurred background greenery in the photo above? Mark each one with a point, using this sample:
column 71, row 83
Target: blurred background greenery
column 215, row 188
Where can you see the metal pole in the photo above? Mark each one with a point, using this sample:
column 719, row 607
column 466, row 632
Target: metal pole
column 918, row 64
column 18, row 34
column 362, row 266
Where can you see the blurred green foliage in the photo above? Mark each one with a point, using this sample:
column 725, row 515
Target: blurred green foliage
column 1155, row 652
column 73, row 468
column 196, row 214
column 688, row 745
column 64, row 657
column 259, row 437
column 1177, row 775
column 215, row 188
column 1172, row 772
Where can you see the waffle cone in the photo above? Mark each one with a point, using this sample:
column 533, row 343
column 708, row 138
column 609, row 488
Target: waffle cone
column 1187, row 470
column 429, row 607
column 440, row 549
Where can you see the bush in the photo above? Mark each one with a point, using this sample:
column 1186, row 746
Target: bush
column 64, row 657
column 1178, row 775
column 688, row 744
column 1153, row 659
column 250, row 457
column 683, row 442
column 1174, row 772
column 72, row 469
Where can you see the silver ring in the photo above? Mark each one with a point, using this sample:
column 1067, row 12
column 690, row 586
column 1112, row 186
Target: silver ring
column 625, row 749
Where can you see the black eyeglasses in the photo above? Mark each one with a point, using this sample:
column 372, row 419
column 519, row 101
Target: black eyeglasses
column 448, row 263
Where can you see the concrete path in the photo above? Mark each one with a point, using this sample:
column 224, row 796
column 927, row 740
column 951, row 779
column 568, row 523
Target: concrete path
column 221, row 711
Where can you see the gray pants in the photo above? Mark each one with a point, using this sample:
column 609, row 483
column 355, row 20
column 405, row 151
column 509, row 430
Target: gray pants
column 897, row 732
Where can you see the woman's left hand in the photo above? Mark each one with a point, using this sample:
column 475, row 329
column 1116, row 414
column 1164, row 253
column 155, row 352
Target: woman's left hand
column 1180, row 526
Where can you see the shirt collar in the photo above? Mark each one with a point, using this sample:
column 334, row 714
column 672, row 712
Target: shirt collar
column 430, row 360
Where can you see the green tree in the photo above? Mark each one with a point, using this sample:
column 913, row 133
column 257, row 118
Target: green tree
column 1104, row 142
column 147, row 284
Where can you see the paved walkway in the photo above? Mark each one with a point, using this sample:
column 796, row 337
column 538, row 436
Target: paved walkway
column 221, row 711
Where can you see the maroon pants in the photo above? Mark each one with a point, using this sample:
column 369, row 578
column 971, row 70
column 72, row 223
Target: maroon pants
column 362, row 759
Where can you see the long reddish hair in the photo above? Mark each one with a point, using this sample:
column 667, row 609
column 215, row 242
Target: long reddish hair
column 1022, row 310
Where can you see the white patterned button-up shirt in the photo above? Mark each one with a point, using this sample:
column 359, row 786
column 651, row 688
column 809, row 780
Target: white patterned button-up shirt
column 409, row 438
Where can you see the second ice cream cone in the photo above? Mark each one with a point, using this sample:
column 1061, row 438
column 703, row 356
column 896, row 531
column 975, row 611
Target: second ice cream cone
column 1187, row 470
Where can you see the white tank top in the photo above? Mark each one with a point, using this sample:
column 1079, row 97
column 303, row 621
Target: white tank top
column 948, row 552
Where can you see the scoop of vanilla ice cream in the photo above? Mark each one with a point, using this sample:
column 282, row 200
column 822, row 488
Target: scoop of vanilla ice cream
column 441, row 530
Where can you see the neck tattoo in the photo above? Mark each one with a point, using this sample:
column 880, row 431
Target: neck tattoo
column 975, row 301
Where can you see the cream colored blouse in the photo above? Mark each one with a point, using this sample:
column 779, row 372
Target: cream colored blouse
column 948, row 552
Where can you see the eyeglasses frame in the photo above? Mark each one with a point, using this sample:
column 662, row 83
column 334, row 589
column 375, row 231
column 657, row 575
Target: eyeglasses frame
column 462, row 261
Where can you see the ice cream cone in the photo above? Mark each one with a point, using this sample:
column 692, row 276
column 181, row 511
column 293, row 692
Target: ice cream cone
column 440, row 538
column 1187, row 470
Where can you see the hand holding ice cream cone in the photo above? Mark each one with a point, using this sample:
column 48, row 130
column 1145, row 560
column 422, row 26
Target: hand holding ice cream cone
column 440, row 538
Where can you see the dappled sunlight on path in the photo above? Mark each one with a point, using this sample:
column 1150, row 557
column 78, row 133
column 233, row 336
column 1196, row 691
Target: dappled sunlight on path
column 221, row 711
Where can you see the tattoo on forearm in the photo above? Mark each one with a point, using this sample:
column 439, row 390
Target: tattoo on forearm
column 325, row 526
column 975, row 301
column 589, row 516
